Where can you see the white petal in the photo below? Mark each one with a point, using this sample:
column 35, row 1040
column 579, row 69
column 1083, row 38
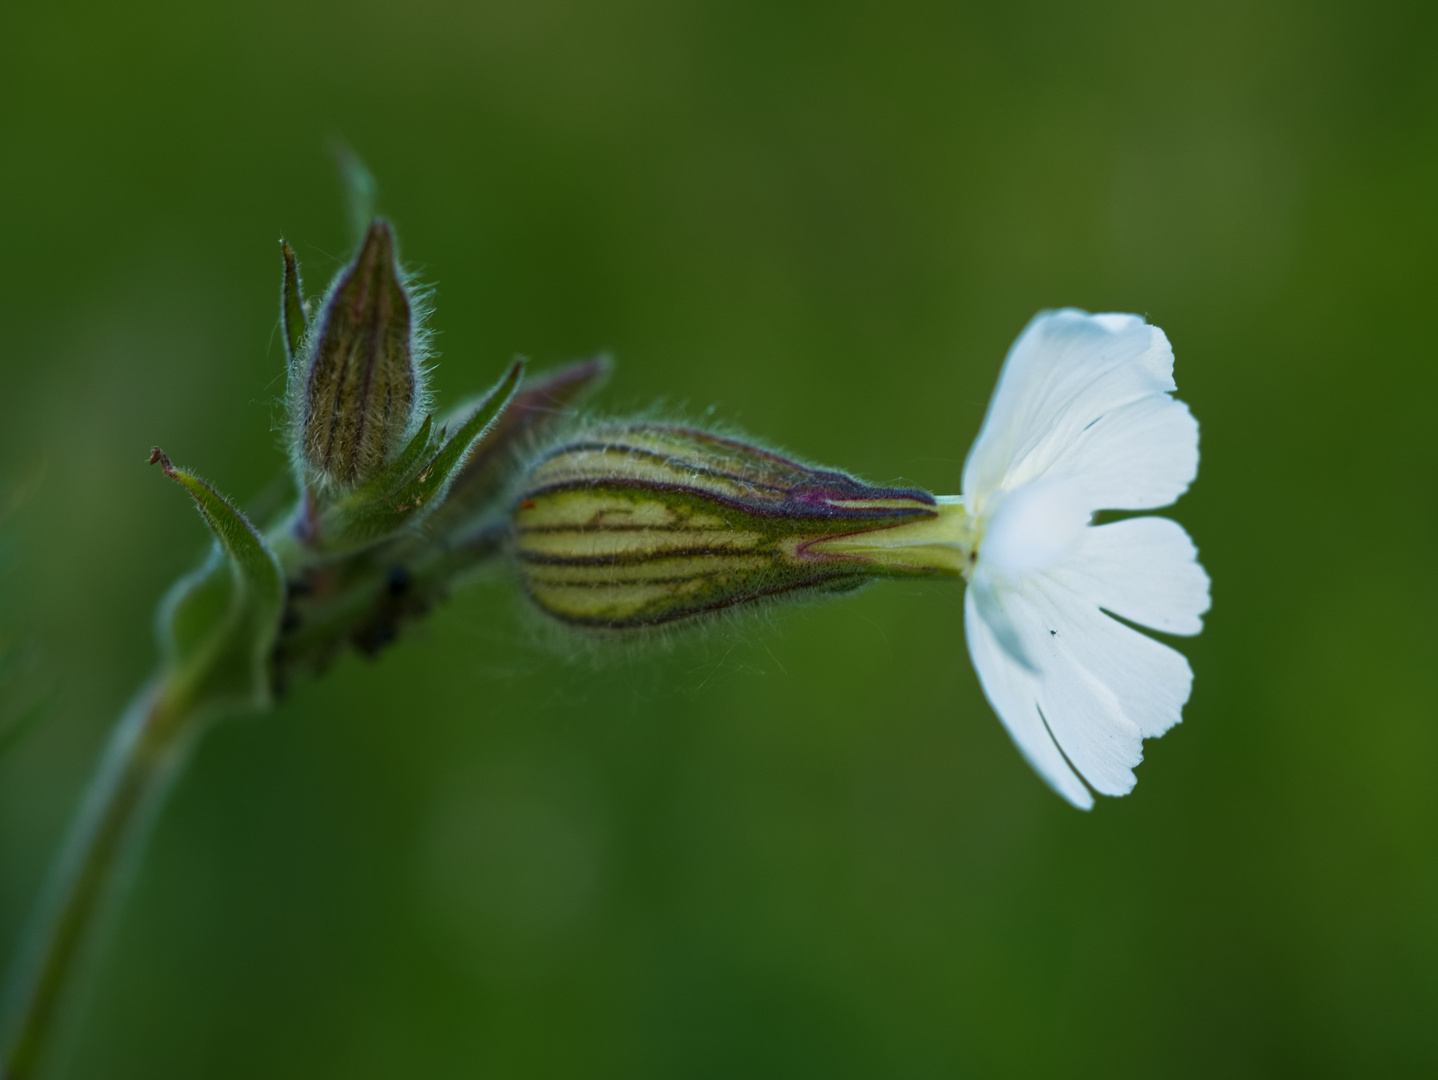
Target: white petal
column 1140, row 456
column 1086, row 396
column 1013, row 692
column 1148, row 681
column 1085, row 716
column 1036, row 527
column 1145, row 570
column 1099, row 686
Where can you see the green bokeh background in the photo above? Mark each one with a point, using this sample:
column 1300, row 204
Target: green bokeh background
column 802, row 847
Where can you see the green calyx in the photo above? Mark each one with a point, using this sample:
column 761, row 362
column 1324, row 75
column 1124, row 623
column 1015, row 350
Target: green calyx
column 638, row 526
column 945, row 543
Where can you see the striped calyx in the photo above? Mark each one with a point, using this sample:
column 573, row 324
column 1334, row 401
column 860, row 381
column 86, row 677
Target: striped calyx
column 359, row 394
column 639, row 525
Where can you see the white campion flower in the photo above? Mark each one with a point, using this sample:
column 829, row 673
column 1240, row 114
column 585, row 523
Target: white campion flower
column 1082, row 420
column 638, row 525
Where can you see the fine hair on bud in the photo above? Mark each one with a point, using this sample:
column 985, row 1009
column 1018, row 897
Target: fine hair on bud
column 543, row 408
column 360, row 393
column 628, row 527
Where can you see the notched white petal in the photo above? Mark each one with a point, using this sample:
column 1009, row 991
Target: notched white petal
column 1117, row 323
column 1143, row 569
column 1012, row 691
column 1099, row 687
column 988, row 591
column 1140, row 456
column 1083, row 420
column 1086, row 716
column 1066, row 387
column 1149, row 681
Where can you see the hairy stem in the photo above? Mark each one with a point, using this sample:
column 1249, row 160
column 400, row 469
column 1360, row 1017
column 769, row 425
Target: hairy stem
column 145, row 749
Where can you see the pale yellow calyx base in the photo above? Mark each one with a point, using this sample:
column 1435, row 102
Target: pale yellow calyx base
column 946, row 543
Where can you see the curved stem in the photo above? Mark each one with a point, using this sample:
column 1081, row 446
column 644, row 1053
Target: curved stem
column 145, row 748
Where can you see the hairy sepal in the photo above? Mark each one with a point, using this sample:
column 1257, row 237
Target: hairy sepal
column 540, row 406
column 292, row 311
column 637, row 526
column 404, row 493
column 356, row 402
column 218, row 624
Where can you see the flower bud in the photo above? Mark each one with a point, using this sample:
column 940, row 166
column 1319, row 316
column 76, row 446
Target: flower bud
column 359, row 394
column 639, row 525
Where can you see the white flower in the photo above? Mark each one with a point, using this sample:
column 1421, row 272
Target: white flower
column 642, row 524
column 1082, row 420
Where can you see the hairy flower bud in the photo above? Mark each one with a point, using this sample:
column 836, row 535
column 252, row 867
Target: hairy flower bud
column 640, row 525
column 358, row 397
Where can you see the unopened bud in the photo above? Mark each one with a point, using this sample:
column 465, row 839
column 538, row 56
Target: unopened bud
column 640, row 525
column 360, row 392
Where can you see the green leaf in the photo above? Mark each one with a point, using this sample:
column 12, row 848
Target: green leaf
column 218, row 625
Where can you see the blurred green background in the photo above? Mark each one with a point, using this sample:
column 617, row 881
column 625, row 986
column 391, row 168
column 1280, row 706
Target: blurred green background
column 804, row 847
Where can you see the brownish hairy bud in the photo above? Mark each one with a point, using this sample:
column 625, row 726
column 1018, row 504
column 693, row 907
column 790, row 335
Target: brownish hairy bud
column 359, row 394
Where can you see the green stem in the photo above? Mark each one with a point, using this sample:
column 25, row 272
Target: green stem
column 363, row 607
column 145, row 750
